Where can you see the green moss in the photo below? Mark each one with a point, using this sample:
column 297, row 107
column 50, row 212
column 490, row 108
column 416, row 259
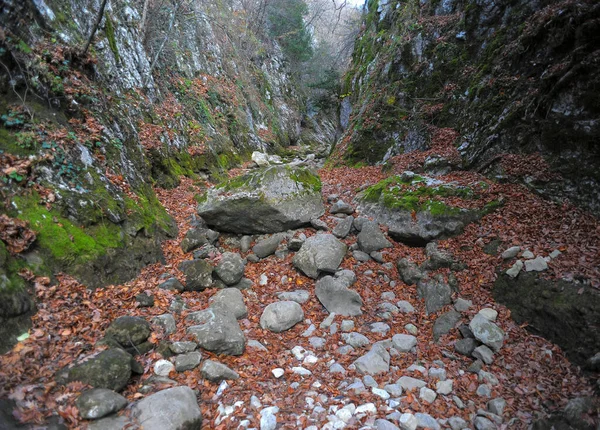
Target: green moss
column 110, row 35
column 201, row 198
column 308, row 179
column 491, row 207
column 148, row 213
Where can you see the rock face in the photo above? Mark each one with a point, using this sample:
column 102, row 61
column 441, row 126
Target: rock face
column 319, row 253
column 564, row 312
column 217, row 332
column 110, row 369
column 172, row 409
column 337, row 298
column 281, row 316
column 270, row 200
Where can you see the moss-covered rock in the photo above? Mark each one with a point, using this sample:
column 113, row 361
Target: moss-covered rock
column 268, row 200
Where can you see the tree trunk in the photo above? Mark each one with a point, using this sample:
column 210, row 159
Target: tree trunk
column 95, row 28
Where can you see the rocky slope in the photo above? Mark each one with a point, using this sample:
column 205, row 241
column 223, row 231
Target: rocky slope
column 84, row 138
column 514, row 77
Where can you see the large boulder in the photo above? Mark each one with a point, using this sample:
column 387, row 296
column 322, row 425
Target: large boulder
column 281, row 316
column 320, row 253
column 171, row 409
column 333, row 294
column 268, row 200
column 410, row 207
column 110, row 369
column 217, row 331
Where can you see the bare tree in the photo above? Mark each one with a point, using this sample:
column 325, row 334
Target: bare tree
column 95, row 27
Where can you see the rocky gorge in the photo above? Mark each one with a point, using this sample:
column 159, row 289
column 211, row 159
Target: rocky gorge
column 236, row 269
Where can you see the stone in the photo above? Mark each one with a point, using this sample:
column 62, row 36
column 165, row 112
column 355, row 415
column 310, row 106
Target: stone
column 527, row 255
column 483, row 353
column 381, row 424
column 278, row 372
column 347, row 277
column 198, row 274
column 412, row 329
column 444, row 387
column 144, row 300
column 261, row 159
column 171, row 409
column 111, row 422
column 511, row 252
column 371, row 238
column 272, row 199
column 496, row 406
column 337, row 368
column 299, row 370
column 437, row 258
column 367, row 408
column 436, row 292
column 335, row 297
column 404, row 342
column 166, row 322
column 457, row 423
column 182, row 347
column 298, row 296
column 343, row 227
column 217, row 372
column 281, row 316
column 206, row 251
column 230, row 268
column 538, row 264
column 295, row 244
column 427, row 395
column 163, row 367
column 475, row 367
column 444, row 323
column 437, row 373
column 427, row 421
column 347, row 325
column 196, row 237
column 253, row 343
column 109, row 369
column 379, row 328
column 99, row 402
column 187, row 361
column 128, row 331
column 217, row 332
column 171, row 284
column 408, row 421
column 488, row 378
column 514, row 271
column 376, row 361
column 487, row 332
column 405, row 307
column 409, row 383
column 317, row 342
column 482, row 423
column 245, row 243
column 319, row 253
column 355, row 339
column 465, row 331
column 409, row 272
column 380, row 393
column 466, row 346
column 395, row 390
column 230, row 301
column 484, row 390
column 462, row 305
column 488, row 313
column 341, row 207
column 268, row 419
column 377, row 256
column 554, row 254
column 268, row 246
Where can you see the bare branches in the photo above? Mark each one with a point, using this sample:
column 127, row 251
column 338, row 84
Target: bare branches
column 95, row 27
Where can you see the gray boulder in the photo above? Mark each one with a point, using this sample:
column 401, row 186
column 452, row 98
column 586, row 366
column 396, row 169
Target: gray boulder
column 110, row 369
column 343, row 227
column 128, row 331
column 171, row 284
column 347, row 277
column 217, row 332
column 187, row 361
column 487, row 332
column 198, row 274
column 167, row 322
column 268, row 246
column 374, row 362
column 319, row 253
column 341, row 207
column 171, row 409
column 268, row 200
column 230, row 268
column 229, row 300
column 466, row 346
column 356, row 339
column 99, row 402
column 437, row 258
column 371, row 238
column 333, row 294
column 196, row 237
column 444, row 323
column 298, row 296
column 436, row 292
column 217, row 372
column 409, row 272
column 281, row 316
column 404, row 342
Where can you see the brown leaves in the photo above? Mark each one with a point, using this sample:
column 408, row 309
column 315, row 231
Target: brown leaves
column 15, row 233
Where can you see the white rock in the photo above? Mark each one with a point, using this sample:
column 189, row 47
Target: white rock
column 310, row 359
column 268, row 420
column 381, row 393
column 412, row 329
column 515, row 269
column 260, row 158
column 538, row 264
column 163, row 367
column 427, row 395
column 367, row 408
column 444, row 387
column 489, row 313
column 299, row 352
column 408, row 422
column 255, row 402
column 278, row 372
column 263, row 279
column 555, row 254
column 527, row 255
column 299, row 370
column 309, row 331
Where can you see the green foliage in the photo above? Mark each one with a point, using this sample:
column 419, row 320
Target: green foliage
column 286, row 23
column 110, row 35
